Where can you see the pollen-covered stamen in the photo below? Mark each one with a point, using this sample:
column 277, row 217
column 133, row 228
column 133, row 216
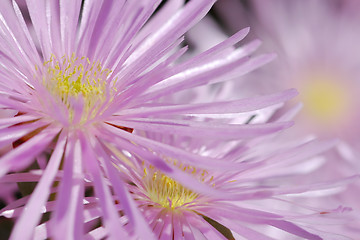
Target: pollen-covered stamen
column 72, row 78
column 166, row 192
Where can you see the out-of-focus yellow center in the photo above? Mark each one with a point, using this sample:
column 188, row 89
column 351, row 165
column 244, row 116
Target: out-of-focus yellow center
column 324, row 100
column 72, row 77
column 167, row 192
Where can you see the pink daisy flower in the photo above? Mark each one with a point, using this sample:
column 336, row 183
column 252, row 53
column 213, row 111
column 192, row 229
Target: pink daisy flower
column 93, row 72
column 239, row 203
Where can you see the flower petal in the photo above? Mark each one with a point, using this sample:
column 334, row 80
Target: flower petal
column 32, row 212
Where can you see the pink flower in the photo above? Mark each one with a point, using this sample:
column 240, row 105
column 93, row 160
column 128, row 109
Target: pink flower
column 194, row 203
column 94, row 72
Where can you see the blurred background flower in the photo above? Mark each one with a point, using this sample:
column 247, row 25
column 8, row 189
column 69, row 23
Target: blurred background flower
column 316, row 43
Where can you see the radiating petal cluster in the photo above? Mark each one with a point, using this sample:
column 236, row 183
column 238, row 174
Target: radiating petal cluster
column 236, row 202
column 111, row 133
column 88, row 75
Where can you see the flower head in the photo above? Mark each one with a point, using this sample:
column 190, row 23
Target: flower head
column 211, row 204
column 91, row 74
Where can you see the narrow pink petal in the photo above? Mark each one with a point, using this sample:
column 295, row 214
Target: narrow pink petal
column 156, row 225
column 7, row 89
column 128, row 18
column 170, row 31
column 317, row 186
column 230, row 211
column 191, row 223
column 5, row 122
column 11, row 134
column 243, row 105
column 42, row 161
column 17, row 212
column 37, row 10
column 162, row 38
column 158, row 72
column 67, row 218
column 135, row 217
column 32, row 176
column 69, row 17
column 113, row 134
column 12, row 79
column 192, row 183
column 90, row 12
column 258, row 217
column 114, row 43
column 204, row 129
column 209, row 231
column 178, row 228
column 216, row 71
column 194, row 68
column 166, row 12
column 23, row 155
column 31, row 215
column 91, row 211
column 218, row 49
column 295, row 154
column 110, row 215
column 97, row 233
column 242, row 230
column 11, row 17
column 238, row 227
column 53, row 20
column 13, row 104
column 142, row 84
column 288, row 114
column 167, row 229
column 186, row 228
column 28, row 41
column 294, row 229
column 152, row 64
column 13, row 47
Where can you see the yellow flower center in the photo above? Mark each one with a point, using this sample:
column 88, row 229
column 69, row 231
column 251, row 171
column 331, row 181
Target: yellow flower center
column 167, row 192
column 71, row 78
column 324, row 99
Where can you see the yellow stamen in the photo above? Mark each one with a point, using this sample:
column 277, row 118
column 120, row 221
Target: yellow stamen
column 167, row 192
column 72, row 78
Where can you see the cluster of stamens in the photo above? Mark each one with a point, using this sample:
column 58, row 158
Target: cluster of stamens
column 72, row 78
column 169, row 193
